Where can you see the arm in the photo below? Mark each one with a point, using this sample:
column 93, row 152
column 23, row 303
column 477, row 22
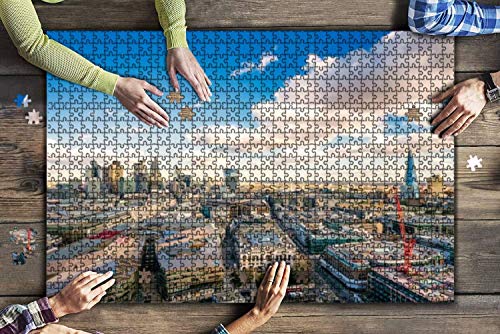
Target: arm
column 22, row 24
column 453, row 17
column 180, row 59
column 271, row 292
column 171, row 14
column 22, row 319
column 466, row 101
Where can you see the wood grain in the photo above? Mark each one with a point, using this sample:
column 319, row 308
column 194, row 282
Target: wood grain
column 469, row 314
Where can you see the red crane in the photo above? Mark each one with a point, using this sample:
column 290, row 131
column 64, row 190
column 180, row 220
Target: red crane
column 408, row 242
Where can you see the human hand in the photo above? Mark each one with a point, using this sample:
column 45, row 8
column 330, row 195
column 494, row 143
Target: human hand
column 183, row 61
column 467, row 101
column 57, row 329
column 132, row 95
column 79, row 294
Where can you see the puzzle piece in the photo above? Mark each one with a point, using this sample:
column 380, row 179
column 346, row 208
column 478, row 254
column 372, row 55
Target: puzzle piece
column 33, row 117
column 315, row 149
column 22, row 100
column 474, row 162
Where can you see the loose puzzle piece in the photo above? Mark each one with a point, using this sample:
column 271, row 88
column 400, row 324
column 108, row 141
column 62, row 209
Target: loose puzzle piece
column 315, row 149
column 33, row 117
column 22, row 100
column 474, row 162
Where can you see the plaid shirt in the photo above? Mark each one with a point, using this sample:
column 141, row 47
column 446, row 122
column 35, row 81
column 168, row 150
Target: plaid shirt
column 21, row 319
column 453, row 17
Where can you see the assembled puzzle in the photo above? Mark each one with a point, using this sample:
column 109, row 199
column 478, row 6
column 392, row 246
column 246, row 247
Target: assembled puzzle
column 315, row 149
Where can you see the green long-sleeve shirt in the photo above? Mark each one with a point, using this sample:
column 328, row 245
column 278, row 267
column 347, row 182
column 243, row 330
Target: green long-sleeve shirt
column 23, row 26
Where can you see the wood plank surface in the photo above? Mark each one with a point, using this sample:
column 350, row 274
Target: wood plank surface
column 469, row 314
column 22, row 175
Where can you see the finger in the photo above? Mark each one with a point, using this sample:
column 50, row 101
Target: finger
column 144, row 117
column 279, row 276
column 447, row 110
column 96, row 300
column 149, row 87
column 173, row 78
column 270, row 279
column 207, row 80
column 102, row 288
column 196, row 86
column 440, row 97
column 87, row 279
column 204, row 86
column 99, row 279
column 465, row 125
column 152, row 116
column 159, row 114
column 286, row 278
column 456, row 126
column 83, row 275
column 448, row 122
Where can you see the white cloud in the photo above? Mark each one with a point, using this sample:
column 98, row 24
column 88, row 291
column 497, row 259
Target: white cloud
column 266, row 59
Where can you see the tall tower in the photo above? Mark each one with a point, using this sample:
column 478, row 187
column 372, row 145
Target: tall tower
column 232, row 179
column 155, row 175
column 140, row 177
column 115, row 173
column 410, row 188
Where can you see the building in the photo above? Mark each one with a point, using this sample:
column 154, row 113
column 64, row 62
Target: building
column 155, row 176
column 231, row 179
column 115, row 173
column 410, row 189
column 352, row 262
column 260, row 244
column 141, row 177
column 435, row 186
column 422, row 284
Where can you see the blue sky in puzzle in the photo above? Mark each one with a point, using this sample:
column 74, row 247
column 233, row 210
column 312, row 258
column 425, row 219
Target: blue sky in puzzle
column 265, row 106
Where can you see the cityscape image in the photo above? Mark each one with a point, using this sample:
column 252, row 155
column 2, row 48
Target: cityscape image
column 315, row 149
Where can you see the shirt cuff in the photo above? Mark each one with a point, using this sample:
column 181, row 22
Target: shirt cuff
column 41, row 312
column 106, row 82
column 176, row 38
column 220, row 330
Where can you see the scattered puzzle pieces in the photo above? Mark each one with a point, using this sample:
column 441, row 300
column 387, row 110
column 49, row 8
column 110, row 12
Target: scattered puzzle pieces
column 34, row 117
column 22, row 100
column 474, row 162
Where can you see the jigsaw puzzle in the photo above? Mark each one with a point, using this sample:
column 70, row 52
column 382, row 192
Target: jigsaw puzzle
column 315, row 149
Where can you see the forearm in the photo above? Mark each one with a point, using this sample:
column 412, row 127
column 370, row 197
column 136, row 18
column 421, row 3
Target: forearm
column 21, row 22
column 21, row 319
column 172, row 16
column 245, row 324
column 453, row 17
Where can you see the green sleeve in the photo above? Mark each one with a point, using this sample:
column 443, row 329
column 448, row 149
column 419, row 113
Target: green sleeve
column 21, row 22
column 172, row 15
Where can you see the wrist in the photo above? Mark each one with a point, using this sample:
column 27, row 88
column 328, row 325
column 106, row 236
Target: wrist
column 57, row 306
column 255, row 318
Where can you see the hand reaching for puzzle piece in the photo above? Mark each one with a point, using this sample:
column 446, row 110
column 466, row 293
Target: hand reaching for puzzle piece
column 81, row 294
column 131, row 93
column 183, row 61
column 466, row 103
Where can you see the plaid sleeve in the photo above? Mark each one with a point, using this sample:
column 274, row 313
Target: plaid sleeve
column 220, row 330
column 453, row 17
column 21, row 319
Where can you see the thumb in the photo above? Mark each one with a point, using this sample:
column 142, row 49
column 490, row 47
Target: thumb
column 173, row 79
column 440, row 97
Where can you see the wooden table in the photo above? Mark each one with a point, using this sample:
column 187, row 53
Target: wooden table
column 22, row 176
